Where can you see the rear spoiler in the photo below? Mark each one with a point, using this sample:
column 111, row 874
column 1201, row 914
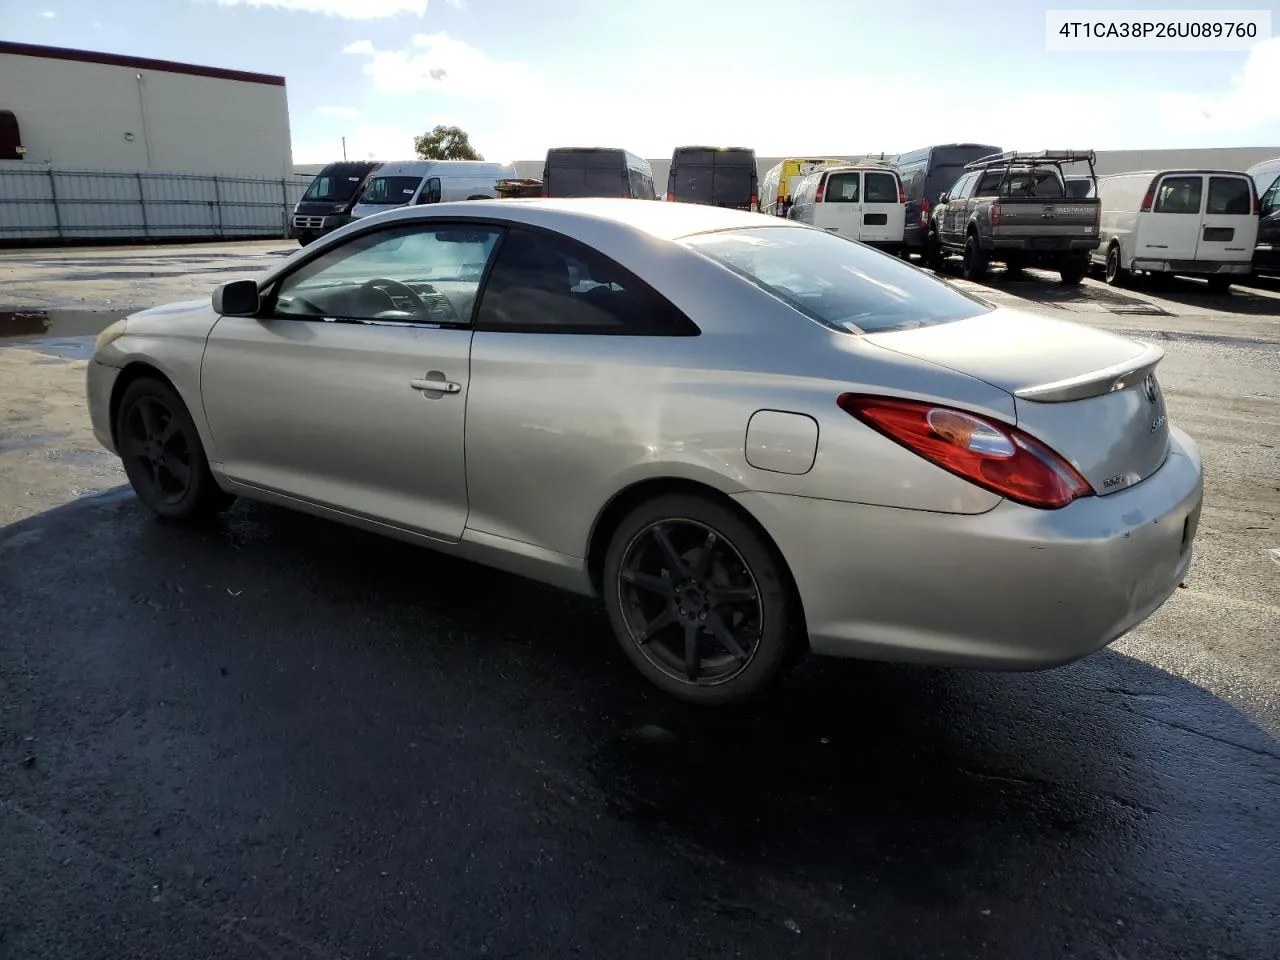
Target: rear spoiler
column 1107, row 380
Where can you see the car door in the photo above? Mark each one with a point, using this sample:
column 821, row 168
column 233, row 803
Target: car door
column 840, row 209
column 950, row 210
column 1171, row 229
column 349, row 390
column 1229, row 228
column 570, row 370
column 883, row 213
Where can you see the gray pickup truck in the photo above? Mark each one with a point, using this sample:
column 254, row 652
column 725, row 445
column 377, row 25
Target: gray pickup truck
column 1014, row 208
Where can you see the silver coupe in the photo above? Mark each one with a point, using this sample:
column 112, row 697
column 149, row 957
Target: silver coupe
column 753, row 439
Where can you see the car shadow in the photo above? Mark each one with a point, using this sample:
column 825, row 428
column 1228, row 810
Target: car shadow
column 856, row 798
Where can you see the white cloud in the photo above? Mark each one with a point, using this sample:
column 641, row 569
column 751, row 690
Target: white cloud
column 439, row 63
column 1249, row 104
column 346, row 9
column 48, row 14
column 347, row 112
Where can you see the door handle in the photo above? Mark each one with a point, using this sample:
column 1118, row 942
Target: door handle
column 436, row 386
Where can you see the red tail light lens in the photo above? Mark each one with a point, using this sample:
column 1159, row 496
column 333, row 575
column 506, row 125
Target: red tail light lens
column 755, row 204
column 902, row 194
column 924, row 213
column 995, row 214
column 994, row 456
column 1149, row 198
column 671, row 197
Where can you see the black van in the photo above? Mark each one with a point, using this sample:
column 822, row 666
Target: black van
column 327, row 204
column 926, row 173
column 597, row 172
column 716, row 176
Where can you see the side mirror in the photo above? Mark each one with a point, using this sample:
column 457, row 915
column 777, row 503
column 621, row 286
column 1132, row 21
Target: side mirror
column 943, row 198
column 236, row 298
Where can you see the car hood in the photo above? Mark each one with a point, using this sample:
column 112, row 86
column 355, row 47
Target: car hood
column 1089, row 394
column 185, row 318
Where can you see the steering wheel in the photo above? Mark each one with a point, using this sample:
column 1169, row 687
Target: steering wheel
column 385, row 286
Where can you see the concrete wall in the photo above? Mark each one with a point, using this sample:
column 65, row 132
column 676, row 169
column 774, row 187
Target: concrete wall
column 85, row 115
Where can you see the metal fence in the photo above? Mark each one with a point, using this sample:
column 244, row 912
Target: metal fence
column 40, row 203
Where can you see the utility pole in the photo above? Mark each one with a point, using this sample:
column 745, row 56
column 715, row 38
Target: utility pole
column 344, row 148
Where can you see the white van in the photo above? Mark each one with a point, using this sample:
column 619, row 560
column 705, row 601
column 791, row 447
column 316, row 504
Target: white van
column 430, row 181
column 1190, row 222
column 858, row 201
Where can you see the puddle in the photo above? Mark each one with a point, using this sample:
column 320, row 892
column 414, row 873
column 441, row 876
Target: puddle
column 66, row 334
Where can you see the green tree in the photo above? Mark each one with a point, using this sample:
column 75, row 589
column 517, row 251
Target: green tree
column 445, row 143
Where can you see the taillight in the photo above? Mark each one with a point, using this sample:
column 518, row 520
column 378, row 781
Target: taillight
column 1257, row 202
column 755, row 204
column 994, row 456
column 1148, row 199
column 671, row 197
column 995, row 214
column 1097, row 216
column 902, row 194
column 924, row 213
column 822, row 188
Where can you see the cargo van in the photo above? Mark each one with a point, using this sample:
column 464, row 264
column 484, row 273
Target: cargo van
column 327, row 204
column 1199, row 223
column 1080, row 187
column 715, row 176
column 863, row 202
column 781, row 180
column 597, row 172
column 1266, row 181
column 926, row 174
column 413, row 182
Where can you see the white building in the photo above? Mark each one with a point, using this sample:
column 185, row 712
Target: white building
column 73, row 109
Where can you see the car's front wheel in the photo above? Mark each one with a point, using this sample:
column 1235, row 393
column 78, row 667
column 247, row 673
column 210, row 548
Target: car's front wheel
column 162, row 453
column 699, row 600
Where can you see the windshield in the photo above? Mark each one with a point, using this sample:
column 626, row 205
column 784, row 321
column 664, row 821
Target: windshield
column 839, row 283
column 332, row 188
column 390, row 190
column 720, row 185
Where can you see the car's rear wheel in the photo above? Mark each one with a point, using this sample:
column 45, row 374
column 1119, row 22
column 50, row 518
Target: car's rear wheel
column 1072, row 272
column 932, row 254
column 975, row 260
column 162, row 454
column 699, row 600
column 1219, row 284
column 1117, row 276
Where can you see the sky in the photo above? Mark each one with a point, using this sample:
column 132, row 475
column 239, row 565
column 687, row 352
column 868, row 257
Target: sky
column 821, row 76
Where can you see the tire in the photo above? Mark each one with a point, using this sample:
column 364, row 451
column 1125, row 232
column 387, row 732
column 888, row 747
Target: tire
column 1116, row 275
column 975, row 260
column 1219, row 285
column 1014, row 267
column 162, row 454
column 1073, row 271
column 932, row 254
column 761, row 625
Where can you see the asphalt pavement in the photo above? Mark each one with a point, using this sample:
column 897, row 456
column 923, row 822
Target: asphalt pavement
column 273, row 736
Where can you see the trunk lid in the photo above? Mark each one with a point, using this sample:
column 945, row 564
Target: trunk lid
column 1090, row 395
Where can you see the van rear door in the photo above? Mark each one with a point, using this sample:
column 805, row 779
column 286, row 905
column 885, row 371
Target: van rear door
column 1229, row 228
column 1171, row 230
column 838, row 207
column 884, row 214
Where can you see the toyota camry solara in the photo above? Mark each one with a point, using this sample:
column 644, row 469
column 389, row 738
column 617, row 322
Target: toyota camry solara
column 751, row 438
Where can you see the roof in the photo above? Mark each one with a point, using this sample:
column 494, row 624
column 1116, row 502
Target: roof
column 135, row 63
column 666, row 221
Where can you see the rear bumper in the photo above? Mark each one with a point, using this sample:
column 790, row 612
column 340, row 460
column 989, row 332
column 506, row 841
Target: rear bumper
column 1199, row 267
column 1047, row 247
column 1014, row 588
column 1266, row 256
column 914, row 235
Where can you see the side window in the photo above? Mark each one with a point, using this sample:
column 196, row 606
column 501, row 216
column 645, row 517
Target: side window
column 410, row 274
column 1230, row 196
column 1271, row 198
column 960, row 189
column 881, row 188
column 542, row 283
column 431, row 191
column 1179, row 195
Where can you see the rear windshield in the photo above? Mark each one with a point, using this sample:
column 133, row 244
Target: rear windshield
column 332, row 188
column 1230, row 196
column 839, row 283
column 719, row 185
column 882, row 188
column 390, row 190
column 1079, row 189
column 842, row 188
column 1042, row 184
column 587, row 174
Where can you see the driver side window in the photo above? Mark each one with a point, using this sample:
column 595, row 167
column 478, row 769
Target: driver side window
column 414, row 273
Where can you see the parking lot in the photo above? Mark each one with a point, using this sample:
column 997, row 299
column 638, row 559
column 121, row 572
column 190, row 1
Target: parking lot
column 279, row 737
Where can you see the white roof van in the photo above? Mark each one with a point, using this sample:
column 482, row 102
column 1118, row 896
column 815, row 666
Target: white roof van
column 858, row 201
column 1190, row 222
column 430, row 181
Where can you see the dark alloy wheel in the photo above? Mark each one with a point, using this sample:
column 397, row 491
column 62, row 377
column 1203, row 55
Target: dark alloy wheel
column 1116, row 275
column 698, row 600
column 162, row 453
column 975, row 260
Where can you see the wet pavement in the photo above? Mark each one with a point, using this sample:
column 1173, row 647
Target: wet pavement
column 277, row 737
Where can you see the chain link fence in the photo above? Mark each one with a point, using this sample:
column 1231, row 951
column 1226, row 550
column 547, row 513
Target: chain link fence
column 40, row 203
